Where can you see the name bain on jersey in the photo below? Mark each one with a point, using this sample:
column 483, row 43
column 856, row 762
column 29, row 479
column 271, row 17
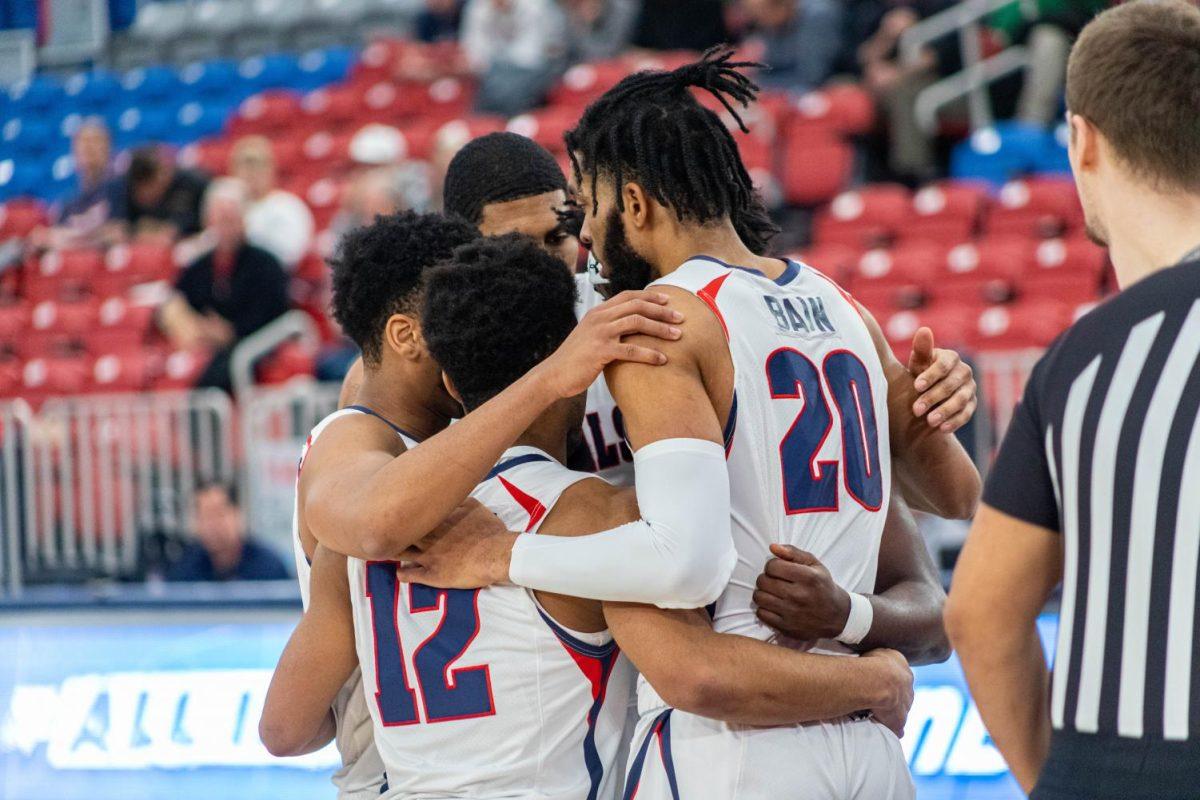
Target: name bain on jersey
column 799, row 314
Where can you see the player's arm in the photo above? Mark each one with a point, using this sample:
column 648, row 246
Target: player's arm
column 372, row 506
column 927, row 400
column 680, row 553
column 723, row 676
column 297, row 716
column 1003, row 579
column 797, row 596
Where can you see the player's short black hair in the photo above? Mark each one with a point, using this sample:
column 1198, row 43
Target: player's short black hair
column 378, row 268
column 496, row 168
column 651, row 129
column 755, row 227
column 495, row 310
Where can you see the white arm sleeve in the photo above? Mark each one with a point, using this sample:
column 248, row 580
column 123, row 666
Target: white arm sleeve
column 680, row 554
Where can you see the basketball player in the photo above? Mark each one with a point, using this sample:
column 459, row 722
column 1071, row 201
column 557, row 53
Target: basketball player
column 771, row 351
column 506, row 692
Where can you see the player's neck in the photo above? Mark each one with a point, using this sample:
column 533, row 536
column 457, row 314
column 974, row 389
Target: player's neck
column 548, row 432
column 719, row 241
column 1152, row 231
column 390, row 396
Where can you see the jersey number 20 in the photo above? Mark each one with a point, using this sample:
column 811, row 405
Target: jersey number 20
column 447, row 692
column 811, row 485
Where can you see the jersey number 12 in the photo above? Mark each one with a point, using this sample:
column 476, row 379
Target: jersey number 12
column 810, row 485
column 447, row 692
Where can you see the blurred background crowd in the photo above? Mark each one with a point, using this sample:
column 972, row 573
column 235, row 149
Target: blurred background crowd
column 173, row 174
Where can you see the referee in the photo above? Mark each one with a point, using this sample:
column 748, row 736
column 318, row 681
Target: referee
column 1097, row 483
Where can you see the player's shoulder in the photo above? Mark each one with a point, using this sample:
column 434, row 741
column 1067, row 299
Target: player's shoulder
column 346, row 434
column 591, row 504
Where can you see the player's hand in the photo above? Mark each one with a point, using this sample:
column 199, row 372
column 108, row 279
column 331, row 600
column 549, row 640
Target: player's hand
column 896, row 689
column 596, row 341
column 470, row 549
column 798, row 597
column 947, row 384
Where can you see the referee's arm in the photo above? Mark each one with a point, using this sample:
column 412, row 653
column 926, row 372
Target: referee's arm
column 1008, row 568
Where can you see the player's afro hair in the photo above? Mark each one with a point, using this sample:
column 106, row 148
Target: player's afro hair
column 378, row 269
column 650, row 128
column 496, row 168
column 495, row 310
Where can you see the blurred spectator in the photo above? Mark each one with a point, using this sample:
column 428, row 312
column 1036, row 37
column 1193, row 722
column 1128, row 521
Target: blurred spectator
column 155, row 197
column 599, row 29
column 672, row 25
column 228, row 293
column 221, row 550
column 1046, row 28
column 800, row 39
column 79, row 221
column 516, row 48
column 277, row 221
column 896, row 84
column 438, row 21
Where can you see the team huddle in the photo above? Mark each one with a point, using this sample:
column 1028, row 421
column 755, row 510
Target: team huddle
column 665, row 548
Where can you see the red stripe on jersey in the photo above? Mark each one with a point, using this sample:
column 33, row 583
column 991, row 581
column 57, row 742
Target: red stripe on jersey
column 709, row 295
column 304, row 455
column 532, row 505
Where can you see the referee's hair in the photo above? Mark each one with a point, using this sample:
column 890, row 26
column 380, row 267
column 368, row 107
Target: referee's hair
column 497, row 168
column 1134, row 73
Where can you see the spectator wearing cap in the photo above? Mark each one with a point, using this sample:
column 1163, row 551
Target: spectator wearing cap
column 228, row 293
column 221, row 549
column 276, row 220
column 517, row 48
column 800, row 40
column 157, row 198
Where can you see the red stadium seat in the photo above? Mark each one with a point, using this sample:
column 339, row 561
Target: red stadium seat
column 324, row 197
column 334, row 106
column 209, row 155
column 57, row 328
column 1036, row 207
column 121, row 326
column 378, row 59
column 180, row 370
column 14, row 324
column 326, row 151
column 546, row 127
column 838, row 261
column 1074, row 255
column 583, row 83
column 55, row 376
column 951, row 326
column 847, row 109
column 61, row 274
column 11, row 384
column 124, row 372
column 131, row 264
column 1033, row 323
column 18, row 217
column 266, row 113
column 814, row 172
column 947, row 212
column 866, row 217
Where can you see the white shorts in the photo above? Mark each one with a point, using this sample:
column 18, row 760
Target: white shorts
column 679, row 756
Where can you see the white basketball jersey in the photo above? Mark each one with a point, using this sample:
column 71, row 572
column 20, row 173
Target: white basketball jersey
column 602, row 427
column 361, row 775
column 480, row 693
column 807, row 438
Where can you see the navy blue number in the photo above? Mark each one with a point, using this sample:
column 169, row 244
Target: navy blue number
column 451, row 693
column 850, row 386
column 808, row 485
column 811, row 485
column 396, row 700
column 447, row 693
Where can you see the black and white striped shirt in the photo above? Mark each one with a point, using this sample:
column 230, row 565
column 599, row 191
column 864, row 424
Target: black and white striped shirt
column 1105, row 447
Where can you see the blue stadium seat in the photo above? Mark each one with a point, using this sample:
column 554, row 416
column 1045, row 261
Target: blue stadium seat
column 195, row 120
column 138, row 125
column 211, row 80
column 999, row 153
column 21, row 177
column 32, row 138
column 92, row 92
column 319, row 68
column 268, row 72
column 39, row 95
column 150, row 84
column 1052, row 158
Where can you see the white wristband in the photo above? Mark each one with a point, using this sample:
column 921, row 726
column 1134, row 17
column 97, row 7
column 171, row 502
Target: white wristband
column 858, row 624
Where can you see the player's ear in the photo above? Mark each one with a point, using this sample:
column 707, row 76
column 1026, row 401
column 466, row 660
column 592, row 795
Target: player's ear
column 637, row 206
column 451, row 388
column 402, row 335
column 1083, row 144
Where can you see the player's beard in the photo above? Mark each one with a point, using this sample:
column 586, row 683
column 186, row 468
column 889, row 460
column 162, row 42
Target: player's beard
column 626, row 268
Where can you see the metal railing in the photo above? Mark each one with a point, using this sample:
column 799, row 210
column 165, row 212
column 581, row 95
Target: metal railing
column 85, row 480
column 963, row 20
column 1002, row 377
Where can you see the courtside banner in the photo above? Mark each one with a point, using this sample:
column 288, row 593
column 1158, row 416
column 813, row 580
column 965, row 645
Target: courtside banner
column 165, row 703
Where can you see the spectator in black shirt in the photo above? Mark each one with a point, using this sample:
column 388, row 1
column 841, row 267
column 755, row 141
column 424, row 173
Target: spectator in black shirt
column 221, row 549
column 227, row 293
column 156, row 197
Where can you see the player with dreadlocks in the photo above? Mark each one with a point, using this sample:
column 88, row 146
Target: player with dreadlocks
column 733, row 453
